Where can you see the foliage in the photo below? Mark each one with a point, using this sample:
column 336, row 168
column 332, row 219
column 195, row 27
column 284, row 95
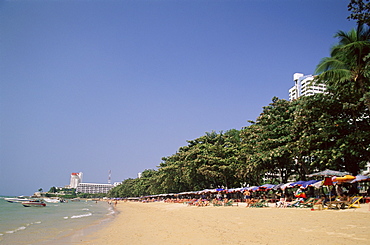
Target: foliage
column 360, row 11
column 347, row 71
column 329, row 136
column 270, row 139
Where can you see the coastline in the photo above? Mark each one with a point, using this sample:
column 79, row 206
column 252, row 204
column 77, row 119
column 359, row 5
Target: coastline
column 76, row 236
column 173, row 223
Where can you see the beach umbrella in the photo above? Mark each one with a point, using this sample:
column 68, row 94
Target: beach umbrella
column 267, row 186
column 329, row 172
column 283, row 187
column 343, row 179
column 361, row 178
column 318, row 184
column 276, row 187
column 298, row 183
column 235, row 190
column 207, row 191
column 309, row 183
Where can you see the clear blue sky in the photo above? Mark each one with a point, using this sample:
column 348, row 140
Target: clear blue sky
column 93, row 86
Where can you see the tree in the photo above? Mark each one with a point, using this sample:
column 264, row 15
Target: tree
column 269, row 140
column 126, row 189
column 347, row 71
column 329, row 135
column 360, row 11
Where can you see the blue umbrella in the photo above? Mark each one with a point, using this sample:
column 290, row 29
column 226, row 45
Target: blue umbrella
column 309, row 183
column 298, row 183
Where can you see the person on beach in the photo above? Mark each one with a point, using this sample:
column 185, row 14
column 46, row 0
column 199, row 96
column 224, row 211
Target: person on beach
column 247, row 195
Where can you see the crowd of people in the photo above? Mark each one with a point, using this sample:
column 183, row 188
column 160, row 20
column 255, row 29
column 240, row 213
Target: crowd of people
column 338, row 197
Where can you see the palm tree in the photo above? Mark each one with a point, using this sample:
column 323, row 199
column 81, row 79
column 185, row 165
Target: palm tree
column 348, row 68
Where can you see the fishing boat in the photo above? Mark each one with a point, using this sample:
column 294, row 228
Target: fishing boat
column 34, row 203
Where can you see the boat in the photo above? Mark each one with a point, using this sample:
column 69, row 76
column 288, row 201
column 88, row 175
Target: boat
column 52, row 200
column 16, row 199
column 34, row 203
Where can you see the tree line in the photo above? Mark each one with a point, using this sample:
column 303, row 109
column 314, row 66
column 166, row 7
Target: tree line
column 289, row 138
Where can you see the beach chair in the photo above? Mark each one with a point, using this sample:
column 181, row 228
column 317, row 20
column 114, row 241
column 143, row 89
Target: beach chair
column 293, row 204
column 259, row 204
column 216, row 203
column 355, row 202
column 231, row 203
column 308, row 203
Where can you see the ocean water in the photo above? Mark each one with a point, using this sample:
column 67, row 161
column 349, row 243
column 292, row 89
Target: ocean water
column 50, row 224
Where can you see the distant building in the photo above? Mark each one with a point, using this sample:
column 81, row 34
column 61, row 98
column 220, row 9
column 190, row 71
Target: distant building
column 93, row 188
column 116, row 184
column 304, row 86
column 76, row 178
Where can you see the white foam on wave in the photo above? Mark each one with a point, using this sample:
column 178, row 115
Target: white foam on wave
column 81, row 216
column 18, row 229
column 65, row 217
column 85, row 209
column 111, row 211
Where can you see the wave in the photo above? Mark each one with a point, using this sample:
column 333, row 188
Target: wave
column 81, row 216
column 111, row 211
column 21, row 228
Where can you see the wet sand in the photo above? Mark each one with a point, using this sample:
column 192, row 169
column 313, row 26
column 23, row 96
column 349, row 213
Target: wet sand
column 173, row 223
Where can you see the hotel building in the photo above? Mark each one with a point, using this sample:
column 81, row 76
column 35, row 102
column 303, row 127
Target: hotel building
column 76, row 178
column 93, row 188
column 304, row 86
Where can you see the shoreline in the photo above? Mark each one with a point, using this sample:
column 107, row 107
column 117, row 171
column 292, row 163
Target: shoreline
column 173, row 223
column 76, row 236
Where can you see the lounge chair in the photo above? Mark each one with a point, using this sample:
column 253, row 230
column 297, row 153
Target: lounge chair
column 308, row 203
column 259, row 204
column 293, row 204
column 355, row 202
column 216, row 202
column 281, row 203
column 230, row 203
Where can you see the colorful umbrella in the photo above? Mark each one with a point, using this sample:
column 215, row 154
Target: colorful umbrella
column 343, row 179
column 361, row 178
column 309, row 183
column 329, row 172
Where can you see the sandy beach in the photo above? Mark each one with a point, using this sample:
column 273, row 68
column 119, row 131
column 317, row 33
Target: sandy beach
column 173, row 223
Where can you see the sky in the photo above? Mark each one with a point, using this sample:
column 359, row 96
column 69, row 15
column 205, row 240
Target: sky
column 98, row 86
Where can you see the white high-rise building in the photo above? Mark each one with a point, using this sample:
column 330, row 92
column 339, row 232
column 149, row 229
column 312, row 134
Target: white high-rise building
column 93, row 188
column 304, row 86
column 76, row 178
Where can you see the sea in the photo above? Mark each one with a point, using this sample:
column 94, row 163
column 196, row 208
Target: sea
column 56, row 223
